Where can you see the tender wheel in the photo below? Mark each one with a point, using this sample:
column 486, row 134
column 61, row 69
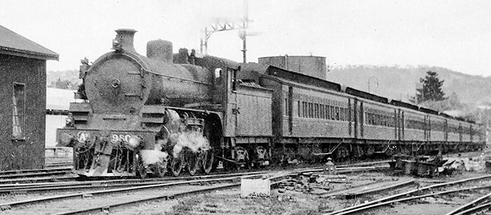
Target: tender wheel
column 193, row 163
column 176, row 165
column 207, row 161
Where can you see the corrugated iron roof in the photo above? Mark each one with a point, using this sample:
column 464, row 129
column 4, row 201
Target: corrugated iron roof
column 12, row 43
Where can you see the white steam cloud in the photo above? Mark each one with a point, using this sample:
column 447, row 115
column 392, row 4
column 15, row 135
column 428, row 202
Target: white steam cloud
column 153, row 156
column 193, row 140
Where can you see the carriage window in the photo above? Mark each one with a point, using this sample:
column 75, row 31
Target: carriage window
column 337, row 113
column 303, row 109
column 331, row 111
column 349, row 114
column 18, row 107
column 321, row 111
column 218, row 76
column 342, row 114
column 328, row 114
column 310, row 110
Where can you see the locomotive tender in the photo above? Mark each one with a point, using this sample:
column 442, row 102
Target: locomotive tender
column 147, row 115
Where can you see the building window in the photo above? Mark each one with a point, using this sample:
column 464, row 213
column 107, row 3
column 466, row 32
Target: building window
column 18, row 111
column 286, row 107
column 299, row 109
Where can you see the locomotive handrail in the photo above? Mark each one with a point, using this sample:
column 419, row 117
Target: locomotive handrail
column 184, row 80
column 167, row 76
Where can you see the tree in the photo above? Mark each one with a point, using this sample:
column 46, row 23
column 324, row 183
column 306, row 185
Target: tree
column 431, row 89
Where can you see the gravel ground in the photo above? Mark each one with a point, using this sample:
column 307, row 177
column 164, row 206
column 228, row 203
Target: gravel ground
column 284, row 202
column 293, row 202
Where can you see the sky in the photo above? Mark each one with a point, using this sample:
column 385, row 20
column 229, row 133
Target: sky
column 453, row 34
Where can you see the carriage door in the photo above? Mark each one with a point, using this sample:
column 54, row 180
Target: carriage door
column 471, row 133
column 397, row 131
column 230, row 102
column 362, row 119
column 460, row 132
column 288, row 108
column 350, row 117
column 446, row 130
column 402, row 125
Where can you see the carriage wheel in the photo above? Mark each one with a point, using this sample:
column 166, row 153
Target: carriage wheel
column 141, row 169
column 193, row 163
column 207, row 161
column 176, row 165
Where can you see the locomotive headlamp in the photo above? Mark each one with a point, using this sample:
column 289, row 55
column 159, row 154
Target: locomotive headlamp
column 134, row 141
column 65, row 139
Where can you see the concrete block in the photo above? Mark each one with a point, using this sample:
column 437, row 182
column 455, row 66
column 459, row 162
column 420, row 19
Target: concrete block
column 251, row 187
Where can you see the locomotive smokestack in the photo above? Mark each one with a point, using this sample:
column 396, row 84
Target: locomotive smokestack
column 124, row 40
column 160, row 50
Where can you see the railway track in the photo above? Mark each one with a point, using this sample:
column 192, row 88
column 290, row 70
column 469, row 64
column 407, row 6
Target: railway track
column 24, row 188
column 36, row 196
column 465, row 185
column 30, row 188
column 64, row 174
column 36, row 175
column 30, row 173
column 477, row 206
column 90, row 201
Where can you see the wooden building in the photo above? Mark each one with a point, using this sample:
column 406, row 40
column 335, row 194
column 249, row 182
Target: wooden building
column 23, row 101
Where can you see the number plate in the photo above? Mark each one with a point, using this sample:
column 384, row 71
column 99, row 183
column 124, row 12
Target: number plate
column 120, row 138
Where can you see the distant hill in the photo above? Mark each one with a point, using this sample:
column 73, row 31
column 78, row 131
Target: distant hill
column 63, row 79
column 400, row 82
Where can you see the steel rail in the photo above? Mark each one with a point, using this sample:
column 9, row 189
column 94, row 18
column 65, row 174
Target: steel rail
column 35, row 174
column 475, row 209
column 352, row 193
column 165, row 196
column 70, row 187
column 411, row 198
column 101, row 192
column 10, row 187
column 364, row 164
column 408, row 193
column 38, row 180
column 276, row 179
column 8, row 172
column 469, row 205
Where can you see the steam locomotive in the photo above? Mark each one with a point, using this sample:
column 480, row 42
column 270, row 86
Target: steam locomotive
column 147, row 115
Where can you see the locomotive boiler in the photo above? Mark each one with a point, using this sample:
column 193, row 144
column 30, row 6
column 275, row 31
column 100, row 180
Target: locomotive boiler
column 148, row 114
